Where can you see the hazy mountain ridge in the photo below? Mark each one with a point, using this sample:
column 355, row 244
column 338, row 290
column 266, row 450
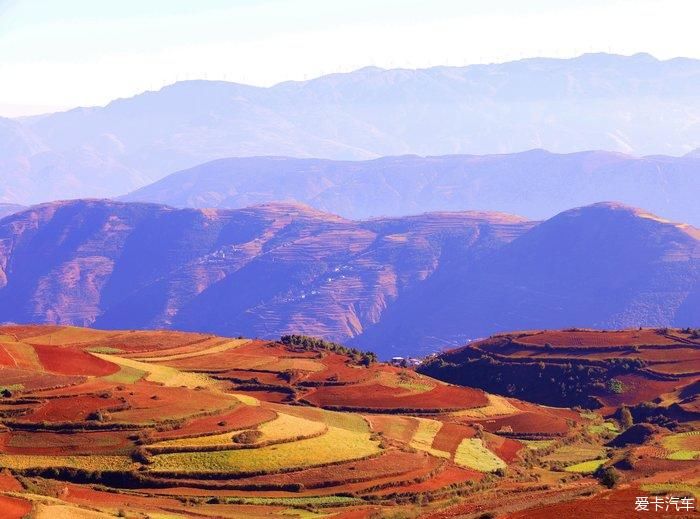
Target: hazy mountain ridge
column 536, row 183
column 8, row 209
column 406, row 284
column 633, row 104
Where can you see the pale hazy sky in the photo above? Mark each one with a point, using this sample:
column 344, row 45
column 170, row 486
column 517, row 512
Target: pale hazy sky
column 64, row 53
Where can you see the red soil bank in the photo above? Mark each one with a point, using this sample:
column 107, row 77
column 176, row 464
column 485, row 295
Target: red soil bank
column 14, row 508
column 70, row 360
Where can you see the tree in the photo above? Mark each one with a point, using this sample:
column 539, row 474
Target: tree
column 626, row 419
column 608, row 476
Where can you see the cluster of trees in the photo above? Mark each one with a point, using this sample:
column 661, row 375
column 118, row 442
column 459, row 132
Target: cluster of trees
column 364, row 358
column 693, row 332
column 559, row 384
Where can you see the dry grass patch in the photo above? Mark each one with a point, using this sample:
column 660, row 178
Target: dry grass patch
column 22, row 461
column 287, row 427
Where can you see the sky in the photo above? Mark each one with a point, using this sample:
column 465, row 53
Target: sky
column 57, row 54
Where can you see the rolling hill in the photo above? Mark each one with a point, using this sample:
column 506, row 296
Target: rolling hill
column 631, row 104
column 599, row 369
column 536, row 184
column 394, row 285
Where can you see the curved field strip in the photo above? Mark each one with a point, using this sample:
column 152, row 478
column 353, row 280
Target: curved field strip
column 57, row 444
column 36, row 381
column 348, row 421
column 69, row 335
column 125, row 375
column 75, row 408
column 473, row 454
column 246, row 399
column 410, row 381
column 336, row 445
column 285, row 364
column 165, row 347
column 651, row 451
column 69, row 360
column 287, row 427
column 536, row 445
column 165, row 375
column 425, row 435
column 390, row 465
column 237, row 419
column 497, row 406
column 378, row 397
column 586, row 467
column 23, row 355
column 284, row 428
column 28, row 461
column 575, row 454
column 219, row 348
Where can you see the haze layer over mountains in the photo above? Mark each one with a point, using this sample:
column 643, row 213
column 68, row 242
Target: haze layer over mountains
column 536, row 184
column 636, row 105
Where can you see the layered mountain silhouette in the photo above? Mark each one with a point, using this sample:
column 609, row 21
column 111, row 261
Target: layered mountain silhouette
column 633, row 104
column 536, row 184
column 408, row 285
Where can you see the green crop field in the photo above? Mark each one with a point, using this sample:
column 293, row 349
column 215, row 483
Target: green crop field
column 575, row 453
column 333, row 446
column 536, row 445
column 472, row 453
column 604, row 428
column 586, row 467
column 683, row 446
column 424, row 436
column 125, row 375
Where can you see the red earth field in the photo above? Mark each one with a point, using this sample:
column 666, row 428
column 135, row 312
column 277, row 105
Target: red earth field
column 147, row 423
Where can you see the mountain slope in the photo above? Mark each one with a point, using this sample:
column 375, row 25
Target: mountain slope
column 604, row 265
column 537, row 184
column 397, row 285
column 264, row 270
column 633, row 104
column 7, row 209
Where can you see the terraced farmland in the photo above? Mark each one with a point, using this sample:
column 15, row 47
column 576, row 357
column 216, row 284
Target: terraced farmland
column 156, row 423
